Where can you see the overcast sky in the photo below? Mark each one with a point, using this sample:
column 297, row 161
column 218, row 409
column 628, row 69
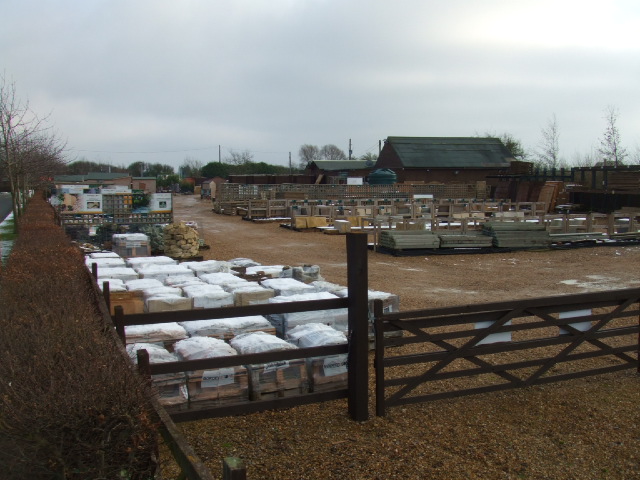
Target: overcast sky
column 160, row 81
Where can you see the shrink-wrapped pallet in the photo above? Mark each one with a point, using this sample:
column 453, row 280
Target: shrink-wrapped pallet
column 182, row 281
column 161, row 334
column 140, row 284
column 131, row 245
column 337, row 318
column 171, row 387
column 208, row 296
column 119, row 273
column 307, row 273
column 272, row 271
column 104, row 255
column 142, row 262
column 131, row 302
column 161, row 272
column 214, row 386
column 328, row 372
column 287, row 286
column 115, row 285
column 208, row 266
column 390, row 304
column 108, row 262
column 161, row 290
column 228, row 328
column 274, row 379
column 251, row 294
column 322, row 286
column 243, row 262
column 167, row 303
column 222, row 279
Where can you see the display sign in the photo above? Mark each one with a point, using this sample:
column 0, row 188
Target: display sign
column 160, row 203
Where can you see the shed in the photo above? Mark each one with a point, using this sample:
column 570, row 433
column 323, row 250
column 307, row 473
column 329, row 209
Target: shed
column 337, row 171
column 444, row 159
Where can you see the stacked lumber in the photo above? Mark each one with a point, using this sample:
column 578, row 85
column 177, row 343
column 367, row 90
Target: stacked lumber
column 517, row 234
column 467, row 240
column 624, row 181
column 408, row 239
column 549, row 194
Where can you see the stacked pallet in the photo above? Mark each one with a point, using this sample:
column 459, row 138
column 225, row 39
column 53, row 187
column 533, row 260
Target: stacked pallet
column 517, row 234
column 408, row 239
column 467, row 240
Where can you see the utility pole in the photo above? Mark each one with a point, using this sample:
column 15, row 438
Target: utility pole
column 350, row 150
column 290, row 169
column 219, row 154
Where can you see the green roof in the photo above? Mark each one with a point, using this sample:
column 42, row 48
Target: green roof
column 336, row 165
column 450, row 152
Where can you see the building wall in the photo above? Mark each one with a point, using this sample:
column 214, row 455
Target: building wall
column 149, row 185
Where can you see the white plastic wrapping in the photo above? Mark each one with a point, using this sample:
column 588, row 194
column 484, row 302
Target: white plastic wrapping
column 336, row 318
column 157, row 332
column 196, row 348
column 140, row 262
column 121, row 273
column 107, row 262
column 259, row 342
column 315, row 335
column 226, row 327
column 140, row 284
column 208, row 266
column 208, row 296
column 270, row 270
column 115, row 285
column 220, row 278
column 287, row 286
column 161, row 272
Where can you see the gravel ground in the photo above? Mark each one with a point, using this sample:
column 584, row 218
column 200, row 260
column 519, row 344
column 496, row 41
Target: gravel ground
column 580, row 429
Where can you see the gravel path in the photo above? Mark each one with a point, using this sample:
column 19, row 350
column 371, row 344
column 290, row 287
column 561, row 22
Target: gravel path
column 581, row 429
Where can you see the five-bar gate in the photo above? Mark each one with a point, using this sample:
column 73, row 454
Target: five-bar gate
column 451, row 352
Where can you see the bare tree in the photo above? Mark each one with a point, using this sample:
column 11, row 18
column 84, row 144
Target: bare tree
column 511, row 143
column 331, row 152
column 29, row 152
column 307, row 154
column 548, row 154
column 611, row 147
column 191, row 167
column 239, row 158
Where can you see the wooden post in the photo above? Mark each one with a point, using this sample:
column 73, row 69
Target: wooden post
column 143, row 363
column 94, row 270
column 233, row 469
column 379, row 357
column 106, row 293
column 119, row 321
column 358, row 357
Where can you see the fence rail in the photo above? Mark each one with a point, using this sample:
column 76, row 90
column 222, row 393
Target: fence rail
column 477, row 343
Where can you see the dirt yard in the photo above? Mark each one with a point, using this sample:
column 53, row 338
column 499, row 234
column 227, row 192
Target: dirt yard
column 581, row 429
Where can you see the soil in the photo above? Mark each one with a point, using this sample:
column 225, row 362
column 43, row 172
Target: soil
column 580, row 429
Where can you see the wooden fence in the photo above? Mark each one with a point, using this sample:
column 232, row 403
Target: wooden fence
column 499, row 346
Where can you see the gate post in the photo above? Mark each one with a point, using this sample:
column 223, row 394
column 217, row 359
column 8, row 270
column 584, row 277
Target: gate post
column 358, row 357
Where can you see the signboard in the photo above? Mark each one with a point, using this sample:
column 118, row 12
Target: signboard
column 160, row 203
column 74, row 189
column 89, row 203
column 355, row 181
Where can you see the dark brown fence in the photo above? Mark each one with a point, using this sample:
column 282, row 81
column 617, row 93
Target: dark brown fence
column 451, row 352
column 356, row 349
